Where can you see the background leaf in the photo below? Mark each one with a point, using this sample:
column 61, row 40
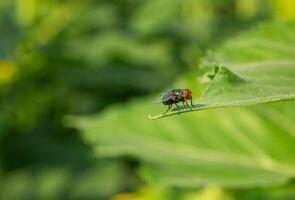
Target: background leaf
column 209, row 147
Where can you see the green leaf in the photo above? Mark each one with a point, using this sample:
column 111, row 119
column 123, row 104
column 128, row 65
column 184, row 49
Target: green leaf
column 231, row 147
column 254, row 68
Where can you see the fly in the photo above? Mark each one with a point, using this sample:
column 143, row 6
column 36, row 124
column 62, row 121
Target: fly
column 175, row 96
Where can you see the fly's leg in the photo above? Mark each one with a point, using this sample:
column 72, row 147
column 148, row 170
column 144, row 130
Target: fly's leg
column 169, row 107
column 178, row 108
column 192, row 103
column 184, row 104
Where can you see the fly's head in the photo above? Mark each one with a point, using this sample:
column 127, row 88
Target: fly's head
column 187, row 94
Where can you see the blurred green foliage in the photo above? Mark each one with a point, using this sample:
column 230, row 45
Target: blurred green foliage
column 61, row 57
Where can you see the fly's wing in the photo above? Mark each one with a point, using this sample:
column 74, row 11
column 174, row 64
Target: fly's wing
column 165, row 96
column 158, row 100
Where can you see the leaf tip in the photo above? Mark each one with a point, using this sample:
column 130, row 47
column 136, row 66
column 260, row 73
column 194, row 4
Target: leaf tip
column 223, row 73
column 228, row 75
column 152, row 117
column 212, row 75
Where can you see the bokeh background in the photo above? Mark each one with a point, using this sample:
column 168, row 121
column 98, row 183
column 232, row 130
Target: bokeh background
column 69, row 58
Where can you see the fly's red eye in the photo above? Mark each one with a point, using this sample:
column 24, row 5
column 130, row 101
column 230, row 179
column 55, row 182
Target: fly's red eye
column 187, row 94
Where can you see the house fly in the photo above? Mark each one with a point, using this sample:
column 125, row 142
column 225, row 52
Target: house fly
column 175, row 96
